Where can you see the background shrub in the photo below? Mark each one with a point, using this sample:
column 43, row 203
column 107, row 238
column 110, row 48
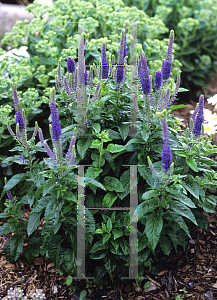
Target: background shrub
column 194, row 23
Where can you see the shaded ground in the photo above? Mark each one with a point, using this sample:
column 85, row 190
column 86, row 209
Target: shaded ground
column 191, row 274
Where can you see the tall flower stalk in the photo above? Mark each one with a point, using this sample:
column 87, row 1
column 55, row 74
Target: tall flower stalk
column 199, row 117
column 167, row 65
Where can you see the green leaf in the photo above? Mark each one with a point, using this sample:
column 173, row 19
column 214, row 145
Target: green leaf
column 181, row 153
column 5, row 228
column 172, row 216
column 191, row 186
column 165, row 244
column 106, row 237
column 114, row 148
column 109, row 225
column 90, row 181
column 68, row 280
column 96, row 127
column 183, row 210
column 83, row 145
column 70, row 197
column 117, row 233
column 34, row 221
column 124, row 130
column 93, row 172
column 184, row 199
column 124, row 246
column 99, row 246
column 48, row 186
column 14, row 181
column 109, row 199
column 144, row 207
column 192, row 163
column 100, row 254
column 96, row 144
column 150, row 194
column 99, row 231
column 153, row 229
column 16, row 245
column 173, row 107
column 112, row 184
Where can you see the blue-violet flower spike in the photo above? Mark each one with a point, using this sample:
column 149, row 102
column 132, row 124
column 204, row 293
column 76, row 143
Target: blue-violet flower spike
column 199, row 117
column 120, row 66
column 70, row 65
column 105, row 65
column 145, row 80
column 166, row 152
column 157, row 81
column 167, row 66
column 56, row 127
column 18, row 112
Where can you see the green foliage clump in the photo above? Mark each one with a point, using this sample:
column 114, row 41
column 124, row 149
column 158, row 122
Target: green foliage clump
column 169, row 201
column 195, row 26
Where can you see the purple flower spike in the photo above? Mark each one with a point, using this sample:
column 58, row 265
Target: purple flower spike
column 120, row 66
column 19, row 115
column 56, row 128
column 166, row 70
column 199, row 117
column 145, row 80
column 10, row 197
column 125, row 42
column 166, row 152
column 167, row 66
column 85, row 76
column 70, row 65
column 157, row 81
column 105, row 65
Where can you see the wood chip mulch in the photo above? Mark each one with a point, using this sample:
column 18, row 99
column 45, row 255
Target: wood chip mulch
column 191, row 274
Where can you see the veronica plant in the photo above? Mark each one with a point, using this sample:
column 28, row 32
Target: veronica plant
column 176, row 176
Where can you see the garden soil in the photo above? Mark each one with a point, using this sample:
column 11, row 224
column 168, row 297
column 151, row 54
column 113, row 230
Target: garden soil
column 191, row 274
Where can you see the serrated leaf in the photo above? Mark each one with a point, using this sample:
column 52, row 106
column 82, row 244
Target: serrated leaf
column 165, row 245
column 106, row 237
column 191, row 186
column 109, row 199
column 112, row 184
column 153, row 229
column 96, row 127
column 16, row 245
column 143, row 208
column 124, row 130
column 183, row 210
column 5, row 228
column 192, row 163
column 48, row 186
column 93, row 172
column 14, row 181
column 150, row 194
column 117, row 233
column 124, row 246
column 98, row 246
column 184, row 199
column 83, row 145
column 89, row 181
column 114, row 148
column 109, row 225
column 33, row 223
column 173, row 216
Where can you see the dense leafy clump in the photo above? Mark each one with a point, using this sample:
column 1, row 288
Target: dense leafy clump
column 108, row 136
column 53, row 34
column 195, row 25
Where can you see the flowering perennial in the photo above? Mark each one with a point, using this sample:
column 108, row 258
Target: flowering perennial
column 70, row 65
column 120, row 66
column 105, row 65
column 167, row 65
column 199, row 117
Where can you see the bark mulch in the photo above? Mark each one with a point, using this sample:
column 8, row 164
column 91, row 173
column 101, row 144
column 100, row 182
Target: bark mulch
column 191, row 274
